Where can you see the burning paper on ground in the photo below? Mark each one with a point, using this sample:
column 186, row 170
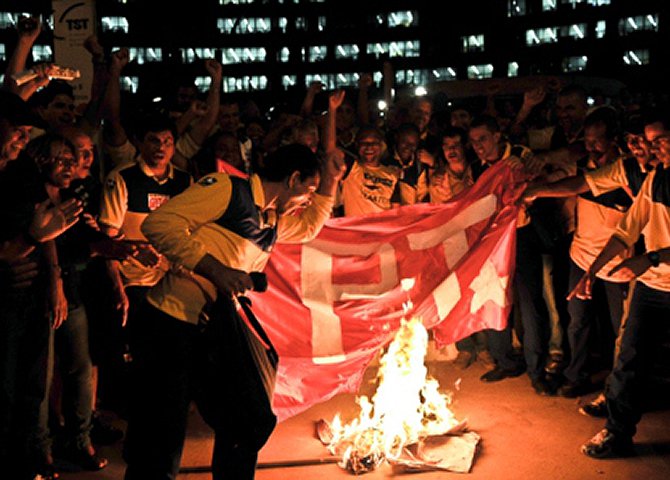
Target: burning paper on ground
column 408, row 421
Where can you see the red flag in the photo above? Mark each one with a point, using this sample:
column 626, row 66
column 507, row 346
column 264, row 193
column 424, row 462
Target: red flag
column 334, row 302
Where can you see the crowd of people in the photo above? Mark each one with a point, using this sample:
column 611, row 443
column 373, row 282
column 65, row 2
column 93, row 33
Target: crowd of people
column 128, row 231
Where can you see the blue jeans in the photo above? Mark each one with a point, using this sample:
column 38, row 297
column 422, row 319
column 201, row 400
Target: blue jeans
column 582, row 317
column 649, row 313
column 69, row 345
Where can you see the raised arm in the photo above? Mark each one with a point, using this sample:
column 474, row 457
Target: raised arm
column 329, row 138
column 114, row 133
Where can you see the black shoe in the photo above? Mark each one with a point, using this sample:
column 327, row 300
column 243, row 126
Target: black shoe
column 575, row 389
column 543, row 387
column 555, row 364
column 84, row 458
column 102, row 433
column 498, row 374
column 595, row 408
column 608, row 444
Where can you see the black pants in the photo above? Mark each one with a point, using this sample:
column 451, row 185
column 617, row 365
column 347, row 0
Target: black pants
column 174, row 363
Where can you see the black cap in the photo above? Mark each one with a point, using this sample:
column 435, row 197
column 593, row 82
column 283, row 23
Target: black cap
column 17, row 112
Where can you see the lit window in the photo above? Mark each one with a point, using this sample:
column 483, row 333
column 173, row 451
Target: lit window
column 600, row 28
column 441, row 74
column 283, row 54
column 115, row 24
column 347, row 51
column 480, row 71
column 300, row 23
column 548, row 5
column 473, row 43
column 516, row 8
column 190, row 55
column 636, row 57
column 50, row 21
column 143, row 55
column 9, row 20
column 593, row 3
column 3, row 52
column 203, row 83
column 42, row 53
column 321, row 23
column 246, row 83
column 243, row 25
column 575, row 64
column 394, row 49
column 234, row 2
column 576, row 31
column 541, row 35
column 317, row 53
column 512, row 69
column 230, row 56
column 638, row 23
column 405, row 18
column 333, row 80
column 130, row 84
column 412, row 77
column 288, row 81
column 282, row 23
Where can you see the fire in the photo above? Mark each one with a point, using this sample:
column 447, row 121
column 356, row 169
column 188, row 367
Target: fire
column 406, row 408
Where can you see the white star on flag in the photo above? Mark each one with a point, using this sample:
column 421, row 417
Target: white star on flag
column 488, row 285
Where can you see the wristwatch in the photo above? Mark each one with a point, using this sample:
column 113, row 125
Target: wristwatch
column 654, row 258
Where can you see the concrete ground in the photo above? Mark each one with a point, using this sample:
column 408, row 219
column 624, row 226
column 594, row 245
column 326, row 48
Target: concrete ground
column 524, row 436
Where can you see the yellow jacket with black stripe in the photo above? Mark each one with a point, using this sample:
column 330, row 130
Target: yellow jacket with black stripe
column 221, row 216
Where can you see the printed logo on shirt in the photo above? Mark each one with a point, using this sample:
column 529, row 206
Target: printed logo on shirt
column 206, row 181
column 155, row 200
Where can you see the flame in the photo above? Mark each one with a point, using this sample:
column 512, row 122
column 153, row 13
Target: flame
column 406, row 407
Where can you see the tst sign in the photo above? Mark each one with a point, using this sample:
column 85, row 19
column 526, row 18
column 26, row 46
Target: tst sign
column 74, row 22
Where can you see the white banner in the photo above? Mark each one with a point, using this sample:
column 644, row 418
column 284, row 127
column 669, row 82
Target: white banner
column 74, row 21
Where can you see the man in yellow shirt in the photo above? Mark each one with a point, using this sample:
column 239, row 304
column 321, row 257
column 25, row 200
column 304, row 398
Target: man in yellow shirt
column 216, row 233
column 649, row 309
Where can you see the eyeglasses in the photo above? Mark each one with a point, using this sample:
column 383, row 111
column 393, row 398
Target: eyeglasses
column 635, row 138
column 65, row 162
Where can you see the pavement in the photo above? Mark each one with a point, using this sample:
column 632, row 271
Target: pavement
column 523, row 436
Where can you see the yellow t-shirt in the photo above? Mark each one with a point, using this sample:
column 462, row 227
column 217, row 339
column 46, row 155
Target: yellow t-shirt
column 368, row 189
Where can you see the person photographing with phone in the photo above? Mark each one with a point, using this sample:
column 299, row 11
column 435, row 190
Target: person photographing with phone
column 215, row 233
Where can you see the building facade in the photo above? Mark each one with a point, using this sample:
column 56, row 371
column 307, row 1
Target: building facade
column 275, row 47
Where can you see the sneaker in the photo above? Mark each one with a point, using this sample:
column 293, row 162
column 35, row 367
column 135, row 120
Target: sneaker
column 596, row 407
column 464, row 359
column 608, row 444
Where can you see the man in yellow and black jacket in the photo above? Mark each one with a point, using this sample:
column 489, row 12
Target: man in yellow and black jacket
column 215, row 234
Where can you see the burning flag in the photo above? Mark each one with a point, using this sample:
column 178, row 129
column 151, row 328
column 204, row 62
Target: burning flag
column 334, row 302
column 406, row 409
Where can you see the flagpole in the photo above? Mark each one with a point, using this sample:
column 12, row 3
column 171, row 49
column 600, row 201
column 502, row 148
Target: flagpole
column 304, row 462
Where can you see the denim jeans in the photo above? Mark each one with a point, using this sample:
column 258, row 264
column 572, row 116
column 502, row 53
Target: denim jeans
column 69, row 346
column 582, row 317
column 648, row 316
